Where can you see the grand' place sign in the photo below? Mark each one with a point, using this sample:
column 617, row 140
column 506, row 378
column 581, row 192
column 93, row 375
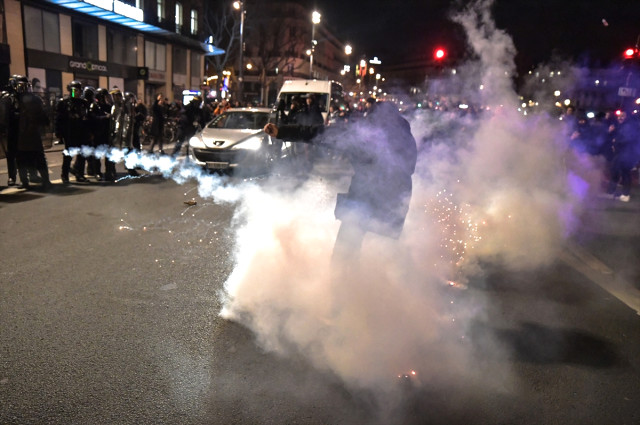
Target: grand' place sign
column 119, row 7
column 87, row 66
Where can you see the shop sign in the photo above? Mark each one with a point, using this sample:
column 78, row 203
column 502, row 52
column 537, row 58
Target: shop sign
column 87, row 66
column 157, row 76
column 119, row 7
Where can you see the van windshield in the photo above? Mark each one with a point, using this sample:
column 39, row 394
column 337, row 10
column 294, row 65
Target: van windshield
column 285, row 100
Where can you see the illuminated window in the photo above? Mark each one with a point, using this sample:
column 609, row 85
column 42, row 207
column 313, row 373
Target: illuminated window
column 160, row 4
column 178, row 17
column 194, row 21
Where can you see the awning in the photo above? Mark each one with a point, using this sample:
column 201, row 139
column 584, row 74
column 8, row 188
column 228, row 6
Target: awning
column 123, row 14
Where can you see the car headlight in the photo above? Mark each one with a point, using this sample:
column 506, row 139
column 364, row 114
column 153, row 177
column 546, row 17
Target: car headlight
column 253, row 143
column 196, row 142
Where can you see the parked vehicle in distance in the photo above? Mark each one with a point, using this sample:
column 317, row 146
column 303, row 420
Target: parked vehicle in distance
column 326, row 93
column 234, row 140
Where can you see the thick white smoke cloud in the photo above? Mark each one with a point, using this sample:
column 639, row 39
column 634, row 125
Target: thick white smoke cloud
column 496, row 189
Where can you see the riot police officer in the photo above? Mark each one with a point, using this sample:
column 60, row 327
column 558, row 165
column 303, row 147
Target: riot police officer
column 100, row 113
column 122, row 123
column 9, row 126
column 71, row 127
column 32, row 118
column 93, row 163
column 118, row 118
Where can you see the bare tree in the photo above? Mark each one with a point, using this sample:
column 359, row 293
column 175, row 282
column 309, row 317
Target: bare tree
column 222, row 24
column 276, row 44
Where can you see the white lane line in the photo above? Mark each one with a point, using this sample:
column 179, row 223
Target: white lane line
column 600, row 274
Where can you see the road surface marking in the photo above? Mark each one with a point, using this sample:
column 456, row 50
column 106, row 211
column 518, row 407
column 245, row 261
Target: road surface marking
column 599, row 273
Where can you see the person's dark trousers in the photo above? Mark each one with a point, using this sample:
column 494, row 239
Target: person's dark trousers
column 9, row 149
column 27, row 160
column 109, row 168
column 66, row 167
column 620, row 173
column 78, row 166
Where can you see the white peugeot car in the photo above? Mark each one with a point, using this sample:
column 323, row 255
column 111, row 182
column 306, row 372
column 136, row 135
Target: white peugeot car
column 234, row 140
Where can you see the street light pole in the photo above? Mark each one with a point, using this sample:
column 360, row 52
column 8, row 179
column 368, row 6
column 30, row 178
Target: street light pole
column 240, row 6
column 315, row 19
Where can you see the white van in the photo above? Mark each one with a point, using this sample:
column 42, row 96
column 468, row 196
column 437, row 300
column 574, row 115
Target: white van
column 326, row 93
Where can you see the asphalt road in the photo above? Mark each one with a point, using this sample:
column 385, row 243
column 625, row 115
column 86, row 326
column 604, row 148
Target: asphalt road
column 109, row 314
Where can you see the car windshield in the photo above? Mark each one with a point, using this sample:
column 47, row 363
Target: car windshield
column 240, row 120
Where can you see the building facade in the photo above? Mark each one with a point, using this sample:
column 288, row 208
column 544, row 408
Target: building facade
column 141, row 46
column 278, row 37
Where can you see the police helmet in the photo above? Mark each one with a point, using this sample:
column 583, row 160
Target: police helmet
column 116, row 94
column 89, row 93
column 103, row 95
column 13, row 82
column 130, row 97
column 75, row 88
column 22, row 84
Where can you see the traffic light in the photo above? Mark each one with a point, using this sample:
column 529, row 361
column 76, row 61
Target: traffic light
column 630, row 53
column 439, row 53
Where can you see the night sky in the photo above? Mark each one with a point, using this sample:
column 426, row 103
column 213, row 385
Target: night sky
column 571, row 29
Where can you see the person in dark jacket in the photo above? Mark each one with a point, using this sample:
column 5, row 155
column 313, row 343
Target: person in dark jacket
column 312, row 114
column 71, row 126
column 30, row 151
column 625, row 149
column 9, row 107
column 383, row 154
column 159, row 114
column 100, row 117
column 140, row 115
column 189, row 120
column 93, row 163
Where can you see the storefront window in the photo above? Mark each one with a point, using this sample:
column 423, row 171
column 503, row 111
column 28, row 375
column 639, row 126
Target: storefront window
column 155, row 55
column 121, row 47
column 37, row 23
column 179, row 60
column 85, row 40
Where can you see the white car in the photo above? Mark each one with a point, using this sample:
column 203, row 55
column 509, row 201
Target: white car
column 234, row 139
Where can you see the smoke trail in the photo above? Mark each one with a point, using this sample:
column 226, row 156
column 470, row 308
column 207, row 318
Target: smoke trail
column 212, row 186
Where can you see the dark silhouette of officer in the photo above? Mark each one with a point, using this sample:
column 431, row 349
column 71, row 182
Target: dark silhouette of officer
column 383, row 154
column 72, row 127
column 32, row 119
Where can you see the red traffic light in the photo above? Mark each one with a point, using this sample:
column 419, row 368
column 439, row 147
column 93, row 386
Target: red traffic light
column 630, row 53
column 439, row 53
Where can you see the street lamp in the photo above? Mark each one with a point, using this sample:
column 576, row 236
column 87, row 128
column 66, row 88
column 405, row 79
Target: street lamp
column 239, row 5
column 315, row 19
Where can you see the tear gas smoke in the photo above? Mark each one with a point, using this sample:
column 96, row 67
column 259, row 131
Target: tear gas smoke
column 500, row 188
column 495, row 189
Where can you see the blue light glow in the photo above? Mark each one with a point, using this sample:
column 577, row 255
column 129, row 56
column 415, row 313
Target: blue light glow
column 98, row 12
